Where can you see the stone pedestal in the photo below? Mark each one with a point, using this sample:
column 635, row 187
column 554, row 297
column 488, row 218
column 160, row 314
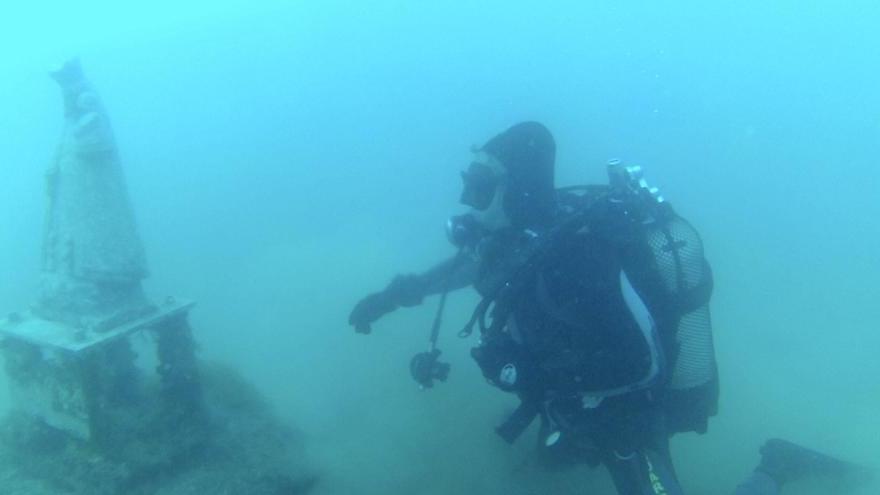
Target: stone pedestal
column 70, row 377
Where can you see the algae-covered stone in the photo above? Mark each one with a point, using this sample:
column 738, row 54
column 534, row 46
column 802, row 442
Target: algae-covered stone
column 238, row 448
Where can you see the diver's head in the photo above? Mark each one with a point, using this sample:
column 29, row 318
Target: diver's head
column 510, row 180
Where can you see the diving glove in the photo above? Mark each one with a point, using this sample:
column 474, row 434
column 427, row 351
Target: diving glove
column 404, row 290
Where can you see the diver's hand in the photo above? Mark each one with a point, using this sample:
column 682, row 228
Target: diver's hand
column 370, row 309
column 404, row 290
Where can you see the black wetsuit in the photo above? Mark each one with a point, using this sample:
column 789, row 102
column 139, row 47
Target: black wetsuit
column 585, row 349
column 588, row 355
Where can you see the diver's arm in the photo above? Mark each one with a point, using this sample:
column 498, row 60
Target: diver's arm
column 454, row 273
column 410, row 289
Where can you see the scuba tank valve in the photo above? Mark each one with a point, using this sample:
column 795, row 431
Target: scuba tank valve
column 629, row 188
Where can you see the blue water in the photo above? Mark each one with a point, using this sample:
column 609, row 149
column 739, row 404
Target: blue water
column 287, row 158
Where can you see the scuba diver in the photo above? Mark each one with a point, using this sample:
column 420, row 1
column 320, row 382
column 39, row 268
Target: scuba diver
column 594, row 312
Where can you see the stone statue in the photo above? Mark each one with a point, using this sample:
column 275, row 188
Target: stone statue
column 93, row 258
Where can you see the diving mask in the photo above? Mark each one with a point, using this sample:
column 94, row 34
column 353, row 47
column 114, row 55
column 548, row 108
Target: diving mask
column 481, row 181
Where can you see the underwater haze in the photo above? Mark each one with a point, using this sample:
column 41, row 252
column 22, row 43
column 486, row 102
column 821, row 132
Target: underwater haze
column 285, row 158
